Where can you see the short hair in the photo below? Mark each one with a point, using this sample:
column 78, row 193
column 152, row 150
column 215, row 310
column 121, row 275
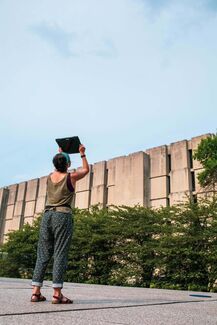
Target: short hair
column 60, row 163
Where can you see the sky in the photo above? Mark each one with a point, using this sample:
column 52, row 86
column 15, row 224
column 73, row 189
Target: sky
column 123, row 75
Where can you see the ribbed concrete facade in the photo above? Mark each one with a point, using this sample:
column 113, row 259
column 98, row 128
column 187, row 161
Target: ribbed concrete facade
column 160, row 176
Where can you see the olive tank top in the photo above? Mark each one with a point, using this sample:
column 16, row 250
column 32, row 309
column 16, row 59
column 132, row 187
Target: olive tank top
column 61, row 193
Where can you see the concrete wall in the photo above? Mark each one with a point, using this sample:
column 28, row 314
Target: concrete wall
column 99, row 182
column 30, row 200
column 159, row 176
column 82, row 191
column 3, row 204
column 126, row 180
column 180, row 172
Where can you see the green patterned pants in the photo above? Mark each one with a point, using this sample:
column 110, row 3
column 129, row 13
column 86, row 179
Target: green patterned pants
column 54, row 240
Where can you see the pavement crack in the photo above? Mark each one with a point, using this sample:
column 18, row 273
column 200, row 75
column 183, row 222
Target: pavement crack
column 105, row 308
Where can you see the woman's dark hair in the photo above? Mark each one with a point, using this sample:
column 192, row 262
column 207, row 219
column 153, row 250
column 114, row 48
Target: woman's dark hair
column 60, row 163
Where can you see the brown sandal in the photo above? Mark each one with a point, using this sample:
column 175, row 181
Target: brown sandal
column 38, row 297
column 61, row 301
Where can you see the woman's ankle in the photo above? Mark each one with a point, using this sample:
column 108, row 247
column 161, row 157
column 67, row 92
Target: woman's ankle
column 36, row 290
column 57, row 292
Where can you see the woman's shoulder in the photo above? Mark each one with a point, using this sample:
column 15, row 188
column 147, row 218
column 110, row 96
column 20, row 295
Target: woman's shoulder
column 56, row 177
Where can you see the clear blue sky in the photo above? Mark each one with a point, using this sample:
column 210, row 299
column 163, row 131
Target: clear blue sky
column 124, row 75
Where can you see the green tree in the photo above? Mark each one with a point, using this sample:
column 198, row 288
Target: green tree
column 135, row 248
column 20, row 251
column 91, row 256
column 173, row 247
column 206, row 154
column 188, row 247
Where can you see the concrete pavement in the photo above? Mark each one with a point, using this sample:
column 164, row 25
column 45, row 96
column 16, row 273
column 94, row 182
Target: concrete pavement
column 98, row 305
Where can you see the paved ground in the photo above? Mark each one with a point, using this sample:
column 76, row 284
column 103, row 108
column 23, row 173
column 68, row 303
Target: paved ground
column 104, row 305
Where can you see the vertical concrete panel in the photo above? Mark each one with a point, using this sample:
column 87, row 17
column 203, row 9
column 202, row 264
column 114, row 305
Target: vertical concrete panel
column 32, row 188
column 147, row 187
column 2, row 191
column 12, row 193
column 159, row 164
column 98, row 195
column 3, row 205
column 82, row 200
column 159, row 187
column 41, row 198
column 111, row 195
column 42, row 186
column 83, row 191
column 10, row 212
column 180, row 180
column 11, row 201
column 98, row 189
column 180, row 172
column 40, row 204
column 158, row 161
column 7, row 229
column 29, row 209
column 11, row 225
column 20, row 202
column 21, row 191
column 111, row 171
column 15, row 223
column 179, row 155
column 18, row 209
column 129, row 180
column 13, row 215
column 30, row 200
column 99, row 170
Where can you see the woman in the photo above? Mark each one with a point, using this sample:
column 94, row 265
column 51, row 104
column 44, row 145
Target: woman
column 56, row 226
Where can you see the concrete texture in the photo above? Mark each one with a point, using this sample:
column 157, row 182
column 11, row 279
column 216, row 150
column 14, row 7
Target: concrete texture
column 126, row 186
column 82, row 191
column 82, row 199
column 3, row 206
column 158, row 161
column 159, row 203
column 32, row 188
column 12, row 194
column 29, row 220
column 98, row 305
column 160, row 176
column 21, row 191
column 40, row 204
column 159, row 188
column 29, row 209
column 98, row 189
column 9, row 212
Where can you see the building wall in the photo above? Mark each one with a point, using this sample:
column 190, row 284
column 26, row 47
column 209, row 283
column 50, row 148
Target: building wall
column 159, row 176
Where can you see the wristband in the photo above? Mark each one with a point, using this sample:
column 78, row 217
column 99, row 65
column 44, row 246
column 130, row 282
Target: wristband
column 82, row 156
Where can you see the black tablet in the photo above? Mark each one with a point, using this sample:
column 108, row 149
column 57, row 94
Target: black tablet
column 69, row 145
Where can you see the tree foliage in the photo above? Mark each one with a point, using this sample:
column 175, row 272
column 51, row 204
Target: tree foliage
column 173, row 247
column 206, row 154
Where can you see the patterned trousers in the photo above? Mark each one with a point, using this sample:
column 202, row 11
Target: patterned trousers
column 54, row 240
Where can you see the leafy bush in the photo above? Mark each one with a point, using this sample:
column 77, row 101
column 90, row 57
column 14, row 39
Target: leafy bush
column 172, row 248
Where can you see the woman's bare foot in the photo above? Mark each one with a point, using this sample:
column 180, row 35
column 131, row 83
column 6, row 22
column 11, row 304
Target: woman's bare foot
column 60, row 299
column 37, row 297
